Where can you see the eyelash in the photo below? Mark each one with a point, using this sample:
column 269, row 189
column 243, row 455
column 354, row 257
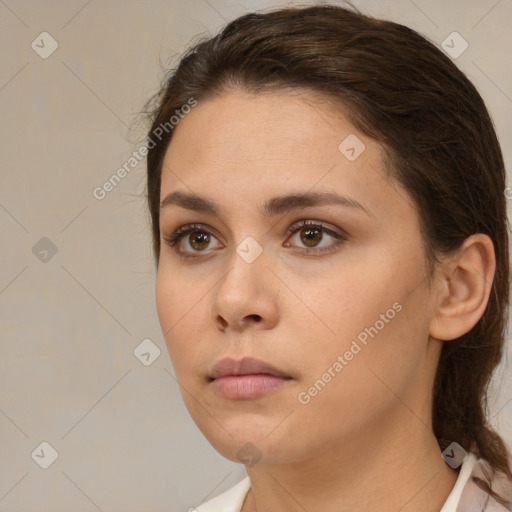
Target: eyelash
column 173, row 240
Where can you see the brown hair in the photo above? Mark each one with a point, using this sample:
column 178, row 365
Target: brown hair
column 439, row 140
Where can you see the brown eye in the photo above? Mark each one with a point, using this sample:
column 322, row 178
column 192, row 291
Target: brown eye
column 199, row 240
column 188, row 241
column 311, row 236
column 314, row 235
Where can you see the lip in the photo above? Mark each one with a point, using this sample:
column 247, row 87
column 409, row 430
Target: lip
column 245, row 366
column 246, row 378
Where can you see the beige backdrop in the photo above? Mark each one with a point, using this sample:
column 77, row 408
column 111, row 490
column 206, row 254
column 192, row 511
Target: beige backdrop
column 76, row 271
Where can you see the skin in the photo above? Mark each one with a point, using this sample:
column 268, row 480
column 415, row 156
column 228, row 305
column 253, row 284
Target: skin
column 364, row 442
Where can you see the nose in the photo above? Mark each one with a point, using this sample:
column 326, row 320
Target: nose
column 246, row 296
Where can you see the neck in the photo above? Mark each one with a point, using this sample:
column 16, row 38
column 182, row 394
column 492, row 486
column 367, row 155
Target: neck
column 384, row 468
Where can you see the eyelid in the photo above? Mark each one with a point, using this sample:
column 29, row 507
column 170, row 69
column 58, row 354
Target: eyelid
column 317, row 223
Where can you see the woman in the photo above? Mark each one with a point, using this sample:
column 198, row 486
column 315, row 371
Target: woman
column 329, row 224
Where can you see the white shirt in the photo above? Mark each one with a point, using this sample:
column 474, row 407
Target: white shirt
column 232, row 499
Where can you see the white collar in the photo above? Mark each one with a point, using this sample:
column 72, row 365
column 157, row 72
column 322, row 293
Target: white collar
column 451, row 503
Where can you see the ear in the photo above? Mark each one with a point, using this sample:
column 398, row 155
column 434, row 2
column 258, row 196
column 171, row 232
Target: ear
column 464, row 288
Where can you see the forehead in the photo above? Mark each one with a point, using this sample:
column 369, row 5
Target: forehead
column 265, row 125
column 239, row 145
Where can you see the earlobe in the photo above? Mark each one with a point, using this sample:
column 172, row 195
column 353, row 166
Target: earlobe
column 464, row 288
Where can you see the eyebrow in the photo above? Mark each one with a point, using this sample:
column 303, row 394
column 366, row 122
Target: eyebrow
column 272, row 207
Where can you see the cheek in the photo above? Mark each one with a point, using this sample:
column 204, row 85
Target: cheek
column 179, row 307
column 367, row 379
column 167, row 300
column 348, row 306
column 373, row 322
column 178, row 295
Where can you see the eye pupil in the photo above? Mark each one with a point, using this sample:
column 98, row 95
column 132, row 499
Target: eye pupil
column 199, row 240
column 310, row 237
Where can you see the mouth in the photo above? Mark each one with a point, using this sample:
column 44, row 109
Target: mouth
column 246, row 378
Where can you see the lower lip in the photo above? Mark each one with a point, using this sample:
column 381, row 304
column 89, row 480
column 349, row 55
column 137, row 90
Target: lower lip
column 247, row 386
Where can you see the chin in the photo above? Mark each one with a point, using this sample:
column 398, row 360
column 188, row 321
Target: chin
column 250, row 440
column 249, row 451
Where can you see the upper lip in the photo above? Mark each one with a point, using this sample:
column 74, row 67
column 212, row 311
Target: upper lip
column 245, row 366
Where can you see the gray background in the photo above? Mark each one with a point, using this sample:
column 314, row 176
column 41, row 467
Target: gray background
column 70, row 321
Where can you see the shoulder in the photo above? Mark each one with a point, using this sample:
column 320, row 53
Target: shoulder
column 229, row 501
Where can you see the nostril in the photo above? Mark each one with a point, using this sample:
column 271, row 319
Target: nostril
column 255, row 317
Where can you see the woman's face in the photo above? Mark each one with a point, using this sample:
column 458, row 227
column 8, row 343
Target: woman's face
column 302, row 255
